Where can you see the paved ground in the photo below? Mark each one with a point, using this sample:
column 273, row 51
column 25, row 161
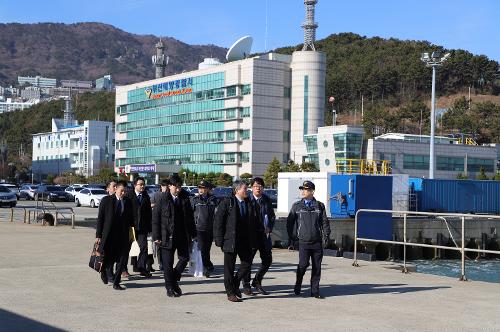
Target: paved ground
column 46, row 285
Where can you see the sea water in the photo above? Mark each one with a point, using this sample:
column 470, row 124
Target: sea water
column 481, row 270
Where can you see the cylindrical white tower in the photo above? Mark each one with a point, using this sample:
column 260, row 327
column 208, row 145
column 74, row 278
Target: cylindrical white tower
column 308, row 99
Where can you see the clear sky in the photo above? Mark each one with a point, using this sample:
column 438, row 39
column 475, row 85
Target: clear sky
column 470, row 25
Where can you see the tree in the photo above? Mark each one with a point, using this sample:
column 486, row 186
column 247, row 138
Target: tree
column 50, row 178
column 291, row 166
column 224, row 180
column 496, row 177
column 246, row 176
column 308, row 167
column 481, row 175
column 461, row 176
column 271, row 174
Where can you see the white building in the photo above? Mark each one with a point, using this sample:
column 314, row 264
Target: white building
column 38, row 81
column 11, row 105
column 78, row 148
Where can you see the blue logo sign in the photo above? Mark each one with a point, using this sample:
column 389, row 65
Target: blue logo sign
column 146, row 168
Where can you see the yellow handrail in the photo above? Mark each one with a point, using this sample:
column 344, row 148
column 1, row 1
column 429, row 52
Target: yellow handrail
column 363, row 166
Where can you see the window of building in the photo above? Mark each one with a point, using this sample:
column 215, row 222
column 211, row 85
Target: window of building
column 444, row 163
column 245, row 157
column 286, row 136
column 286, row 114
column 231, row 91
column 286, row 92
column 411, row 161
column 245, row 112
column 231, row 113
column 230, row 157
column 327, row 162
column 389, row 156
column 475, row 165
column 245, row 89
column 245, row 134
column 230, row 135
column 325, row 143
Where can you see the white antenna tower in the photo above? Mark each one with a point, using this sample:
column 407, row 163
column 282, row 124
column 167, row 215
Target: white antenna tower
column 267, row 20
column 309, row 25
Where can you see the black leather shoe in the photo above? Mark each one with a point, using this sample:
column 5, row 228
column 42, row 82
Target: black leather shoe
column 104, row 277
column 177, row 290
column 318, row 296
column 247, row 291
column 171, row 293
column 151, row 269
column 146, row 274
column 259, row 288
column 233, row 298
column 211, row 268
column 296, row 289
column 118, row 287
column 206, row 273
column 237, row 292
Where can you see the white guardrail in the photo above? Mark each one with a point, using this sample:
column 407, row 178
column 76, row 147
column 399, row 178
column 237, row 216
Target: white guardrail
column 405, row 243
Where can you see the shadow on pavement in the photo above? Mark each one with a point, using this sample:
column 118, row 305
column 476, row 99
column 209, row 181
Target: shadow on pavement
column 14, row 322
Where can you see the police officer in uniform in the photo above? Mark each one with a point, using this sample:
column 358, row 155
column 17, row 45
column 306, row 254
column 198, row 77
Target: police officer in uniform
column 307, row 223
column 204, row 211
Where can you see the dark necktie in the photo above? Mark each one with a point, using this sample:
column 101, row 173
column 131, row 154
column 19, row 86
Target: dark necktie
column 139, row 198
column 243, row 210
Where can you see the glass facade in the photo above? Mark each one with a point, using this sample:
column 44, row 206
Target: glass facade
column 182, row 120
column 475, row 165
column 450, row 164
column 411, row 161
column 347, row 145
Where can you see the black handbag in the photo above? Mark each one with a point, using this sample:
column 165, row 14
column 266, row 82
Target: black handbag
column 96, row 259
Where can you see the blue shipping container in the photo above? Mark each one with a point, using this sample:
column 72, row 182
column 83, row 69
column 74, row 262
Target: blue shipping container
column 353, row 192
column 456, row 196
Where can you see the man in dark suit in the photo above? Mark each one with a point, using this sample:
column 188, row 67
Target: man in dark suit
column 141, row 207
column 112, row 232
column 236, row 231
column 263, row 204
column 173, row 229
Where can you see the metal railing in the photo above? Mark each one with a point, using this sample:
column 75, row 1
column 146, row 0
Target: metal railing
column 462, row 249
column 32, row 214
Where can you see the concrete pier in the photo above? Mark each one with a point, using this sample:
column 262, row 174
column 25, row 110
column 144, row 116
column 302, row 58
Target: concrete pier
column 46, row 285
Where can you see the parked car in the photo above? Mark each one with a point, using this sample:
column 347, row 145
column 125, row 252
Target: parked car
column 221, row 192
column 72, row 191
column 191, row 190
column 7, row 197
column 273, row 195
column 51, row 193
column 12, row 187
column 27, row 191
column 152, row 189
column 90, row 197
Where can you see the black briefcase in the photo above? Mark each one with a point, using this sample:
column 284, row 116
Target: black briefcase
column 96, row 259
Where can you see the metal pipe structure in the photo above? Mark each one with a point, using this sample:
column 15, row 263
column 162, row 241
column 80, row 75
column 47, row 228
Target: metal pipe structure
column 434, row 60
column 462, row 248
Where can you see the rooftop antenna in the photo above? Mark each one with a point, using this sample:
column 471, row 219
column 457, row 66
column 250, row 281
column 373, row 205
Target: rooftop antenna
column 160, row 60
column 309, row 25
column 267, row 20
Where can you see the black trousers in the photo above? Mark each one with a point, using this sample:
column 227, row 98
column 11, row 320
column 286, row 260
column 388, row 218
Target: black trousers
column 173, row 275
column 266, row 257
column 314, row 253
column 232, row 280
column 142, row 241
column 108, row 266
column 205, row 239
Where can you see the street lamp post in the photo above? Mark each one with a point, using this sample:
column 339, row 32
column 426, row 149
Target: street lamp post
column 434, row 60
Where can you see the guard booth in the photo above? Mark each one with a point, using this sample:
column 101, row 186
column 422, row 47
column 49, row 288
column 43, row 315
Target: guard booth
column 349, row 193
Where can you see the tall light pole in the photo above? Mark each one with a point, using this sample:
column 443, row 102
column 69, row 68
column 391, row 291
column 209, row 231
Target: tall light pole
column 434, row 60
